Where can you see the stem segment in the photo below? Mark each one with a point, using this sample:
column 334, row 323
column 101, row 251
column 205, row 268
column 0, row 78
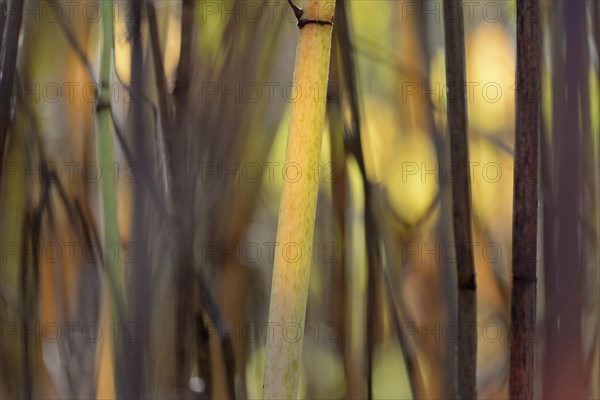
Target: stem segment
column 461, row 198
column 105, row 153
column 298, row 203
column 525, row 207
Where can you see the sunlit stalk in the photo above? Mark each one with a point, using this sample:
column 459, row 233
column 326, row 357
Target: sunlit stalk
column 298, row 201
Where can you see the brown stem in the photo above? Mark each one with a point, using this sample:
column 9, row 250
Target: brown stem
column 461, row 198
column 525, row 205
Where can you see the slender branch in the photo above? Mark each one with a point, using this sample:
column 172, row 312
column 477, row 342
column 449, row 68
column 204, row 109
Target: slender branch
column 298, row 204
column 525, row 203
column 461, row 198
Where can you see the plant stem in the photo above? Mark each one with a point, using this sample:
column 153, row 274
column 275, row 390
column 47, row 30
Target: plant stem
column 461, row 198
column 185, row 66
column 568, row 381
column 298, row 203
column 106, row 160
column 525, row 203
column 164, row 106
column 8, row 64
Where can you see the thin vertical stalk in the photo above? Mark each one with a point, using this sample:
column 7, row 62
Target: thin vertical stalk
column 135, row 355
column 373, row 279
column 339, row 285
column 8, row 57
column 178, row 144
column 444, row 223
column 106, row 159
column 104, row 142
column 549, row 166
column 569, row 379
column 164, row 107
column 461, row 198
column 353, row 137
column 525, row 203
column 589, row 201
column 3, row 15
column 185, row 66
column 596, row 24
column 298, row 200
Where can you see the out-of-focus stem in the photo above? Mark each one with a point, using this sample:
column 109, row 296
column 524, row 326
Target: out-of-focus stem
column 8, row 64
column 104, row 143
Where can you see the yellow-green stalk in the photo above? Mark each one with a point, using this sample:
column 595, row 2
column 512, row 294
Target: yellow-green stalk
column 111, row 245
column 295, row 229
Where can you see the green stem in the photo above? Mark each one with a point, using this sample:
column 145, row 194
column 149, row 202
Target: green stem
column 106, row 160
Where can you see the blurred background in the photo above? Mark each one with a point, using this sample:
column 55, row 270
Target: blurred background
column 200, row 93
